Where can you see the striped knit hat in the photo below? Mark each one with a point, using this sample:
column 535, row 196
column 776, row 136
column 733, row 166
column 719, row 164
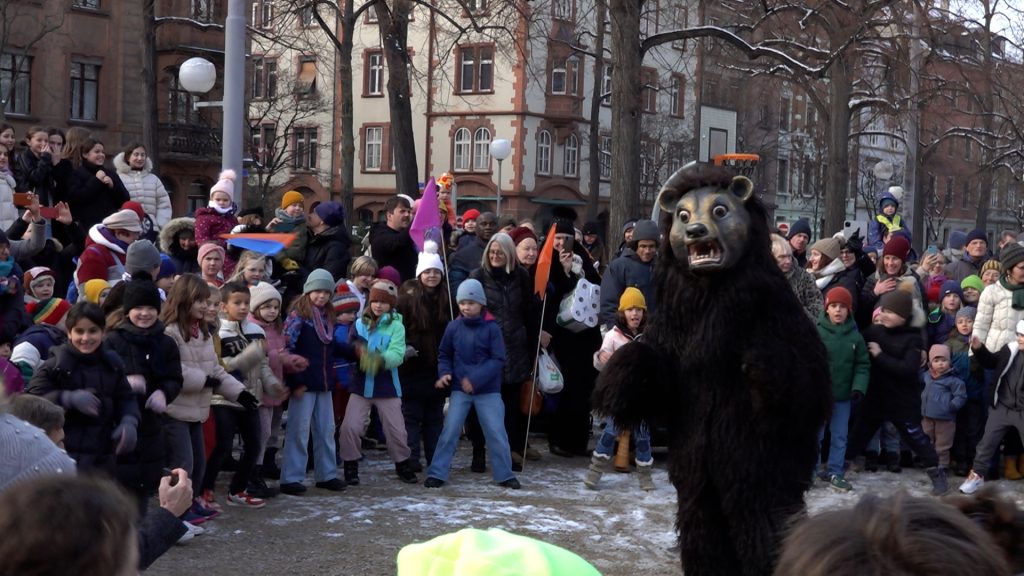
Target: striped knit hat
column 49, row 311
column 345, row 300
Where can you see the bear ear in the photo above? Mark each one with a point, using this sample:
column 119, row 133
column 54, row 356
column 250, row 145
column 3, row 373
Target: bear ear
column 742, row 188
column 667, row 199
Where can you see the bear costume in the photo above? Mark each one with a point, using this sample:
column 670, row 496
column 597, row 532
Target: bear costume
column 733, row 367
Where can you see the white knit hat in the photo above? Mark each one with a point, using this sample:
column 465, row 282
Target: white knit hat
column 262, row 293
column 225, row 183
column 429, row 259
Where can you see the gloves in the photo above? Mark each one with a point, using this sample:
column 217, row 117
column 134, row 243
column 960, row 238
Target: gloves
column 125, row 435
column 856, row 396
column 157, row 402
column 211, row 382
column 855, row 243
column 370, row 363
column 137, row 382
column 83, row 401
column 247, row 400
column 411, row 352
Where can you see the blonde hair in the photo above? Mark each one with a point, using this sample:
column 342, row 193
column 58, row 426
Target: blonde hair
column 508, row 247
column 780, row 246
column 246, row 258
column 363, row 266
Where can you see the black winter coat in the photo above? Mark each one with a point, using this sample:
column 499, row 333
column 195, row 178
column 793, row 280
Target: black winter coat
column 155, row 356
column 511, row 301
column 329, row 250
column 91, row 200
column 624, row 272
column 87, row 438
column 394, row 248
column 40, row 175
column 895, row 390
column 419, row 373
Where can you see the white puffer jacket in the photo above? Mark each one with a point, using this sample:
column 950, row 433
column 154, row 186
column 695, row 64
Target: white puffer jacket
column 145, row 188
column 8, row 212
column 996, row 322
column 199, row 360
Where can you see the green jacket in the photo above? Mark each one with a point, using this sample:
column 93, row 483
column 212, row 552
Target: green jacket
column 848, row 357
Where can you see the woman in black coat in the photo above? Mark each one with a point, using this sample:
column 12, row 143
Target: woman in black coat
column 94, row 192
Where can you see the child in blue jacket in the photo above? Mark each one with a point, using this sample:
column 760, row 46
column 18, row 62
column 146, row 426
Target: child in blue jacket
column 943, row 396
column 472, row 353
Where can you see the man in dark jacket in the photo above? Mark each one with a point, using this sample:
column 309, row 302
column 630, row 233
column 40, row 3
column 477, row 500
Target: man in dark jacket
column 799, row 237
column 467, row 258
column 328, row 244
column 390, row 243
column 975, row 254
column 634, row 268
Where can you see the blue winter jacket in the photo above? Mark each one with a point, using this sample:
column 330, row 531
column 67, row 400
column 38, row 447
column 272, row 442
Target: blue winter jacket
column 343, row 355
column 302, row 340
column 942, row 397
column 473, row 348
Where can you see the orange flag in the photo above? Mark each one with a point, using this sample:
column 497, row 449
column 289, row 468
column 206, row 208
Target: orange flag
column 540, row 281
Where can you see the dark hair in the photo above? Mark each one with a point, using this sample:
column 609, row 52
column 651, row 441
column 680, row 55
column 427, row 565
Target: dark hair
column 37, row 411
column 87, row 145
column 233, row 288
column 187, row 290
column 395, row 202
column 131, row 148
column 96, row 517
column 424, row 314
column 87, row 311
column 32, row 130
column 303, row 307
column 4, row 127
column 54, row 131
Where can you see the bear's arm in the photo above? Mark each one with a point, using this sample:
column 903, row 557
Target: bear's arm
column 633, row 386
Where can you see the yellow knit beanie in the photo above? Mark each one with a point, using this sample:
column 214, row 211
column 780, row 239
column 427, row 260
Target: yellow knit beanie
column 292, row 197
column 632, row 298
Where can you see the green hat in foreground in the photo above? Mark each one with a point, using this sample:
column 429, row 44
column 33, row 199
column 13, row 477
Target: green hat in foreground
column 494, row 552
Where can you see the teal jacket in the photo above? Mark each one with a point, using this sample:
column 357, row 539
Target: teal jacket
column 388, row 340
column 848, row 357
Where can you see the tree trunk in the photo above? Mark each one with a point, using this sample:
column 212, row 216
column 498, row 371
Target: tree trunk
column 595, row 115
column 626, row 91
column 394, row 28
column 348, row 141
column 839, row 148
column 149, row 108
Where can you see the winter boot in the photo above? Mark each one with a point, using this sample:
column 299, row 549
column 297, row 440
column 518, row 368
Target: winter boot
column 644, row 473
column 870, row 462
column 1010, row 471
column 892, row 462
column 479, row 463
column 939, row 483
column 269, row 467
column 258, row 487
column 404, row 471
column 352, row 472
column 622, row 453
column 598, row 465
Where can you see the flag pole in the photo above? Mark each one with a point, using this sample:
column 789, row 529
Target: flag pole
column 447, row 284
column 533, row 380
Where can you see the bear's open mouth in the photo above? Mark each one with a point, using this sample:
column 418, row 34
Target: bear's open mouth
column 708, row 252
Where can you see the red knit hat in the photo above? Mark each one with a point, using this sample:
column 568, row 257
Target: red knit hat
column 839, row 295
column 134, row 207
column 49, row 311
column 897, row 246
column 471, row 214
column 521, row 233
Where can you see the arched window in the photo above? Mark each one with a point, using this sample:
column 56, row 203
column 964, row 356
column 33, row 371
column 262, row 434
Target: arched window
column 481, row 149
column 572, row 151
column 462, row 149
column 544, row 152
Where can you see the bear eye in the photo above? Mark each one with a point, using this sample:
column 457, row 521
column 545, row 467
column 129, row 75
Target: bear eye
column 720, row 211
column 684, row 216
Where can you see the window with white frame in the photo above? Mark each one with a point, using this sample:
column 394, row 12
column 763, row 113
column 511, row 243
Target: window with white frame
column 374, row 146
column 263, row 14
column 85, row 88
column 462, row 150
column 264, row 77
column 179, row 102
column 558, row 76
column 476, row 6
column 561, row 9
column 544, row 152
column 675, row 95
column 305, row 149
column 203, row 10
column 782, row 177
column 481, row 149
column 606, row 157
column 375, row 73
column 16, row 82
column 606, row 84
column 572, row 156
column 646, row 162
column 476, row 69
column 262, row 140
column 965, row 195
column 572, row 69
column 306, row 15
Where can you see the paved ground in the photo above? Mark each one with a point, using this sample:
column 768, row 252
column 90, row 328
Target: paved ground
column 619, row 529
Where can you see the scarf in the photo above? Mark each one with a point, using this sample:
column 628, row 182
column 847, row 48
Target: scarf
column 222, row 211
column 287, row 223
column 1016, row 290
column 825, row 275
column 195, row 328
column 6, row 267
column 320, row 325
column 108, row 235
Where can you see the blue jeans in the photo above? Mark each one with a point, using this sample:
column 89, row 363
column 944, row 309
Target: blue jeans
column 641, row 435
column 313, row 410
column 490, row 410
column 838, row 429
column 887, row 437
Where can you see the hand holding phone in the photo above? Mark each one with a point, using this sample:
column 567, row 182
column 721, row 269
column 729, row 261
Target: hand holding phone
column 23, row 199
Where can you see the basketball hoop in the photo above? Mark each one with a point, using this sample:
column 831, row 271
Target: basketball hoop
column 741, row 163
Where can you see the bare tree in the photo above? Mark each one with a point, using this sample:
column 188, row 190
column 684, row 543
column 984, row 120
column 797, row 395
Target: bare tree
column 23, row 26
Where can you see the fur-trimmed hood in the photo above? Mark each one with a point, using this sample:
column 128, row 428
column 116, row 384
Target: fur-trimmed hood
column 167, row 233
column 123, row 168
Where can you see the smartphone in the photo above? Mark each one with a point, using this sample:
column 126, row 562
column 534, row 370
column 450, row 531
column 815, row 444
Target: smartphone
column 932, row 249
column 23, row 199
column 48, row 212
column 174, row 477
column 567, row 245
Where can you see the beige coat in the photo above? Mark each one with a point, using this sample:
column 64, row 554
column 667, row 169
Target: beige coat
column 199, row 360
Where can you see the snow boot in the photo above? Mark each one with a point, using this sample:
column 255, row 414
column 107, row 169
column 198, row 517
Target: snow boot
column 269, row 466
column 644, row 474
column 352, row 472
column 622, row 453
column 404, row 471
column 598, row 466
column 940, row 485
column 892, row 462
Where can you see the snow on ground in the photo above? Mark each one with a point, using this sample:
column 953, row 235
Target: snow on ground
column 619, row 529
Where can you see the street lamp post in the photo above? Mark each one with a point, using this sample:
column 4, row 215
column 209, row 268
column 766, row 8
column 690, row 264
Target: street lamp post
column 198, row 76
column 500, row 149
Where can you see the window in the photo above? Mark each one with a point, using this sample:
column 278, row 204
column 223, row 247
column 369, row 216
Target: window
column 476, row 69
column 965, row 196
column 676, row 97
column 462, row 150
column 561, row 9
column 606, row 85
column 306, row 15
column 649, row 95
column 482, row 149
column 947, row 201
column 784, row 109
column 558, row 76
column 782, row 178
column 573, row 75
column 306, row 83
column 680, row 19
column 374, row 73
column 649, row 19
column 374, row 140
column 967, row 147
column 262, row 138
column 544, row 152
column 263, row 14
column 91, row 4
column 476, row 6
column 16, row 69
column 675, row 158
column 645, row 162
column 84, row 91
column 179, row 102
column 572, row 153
column 371, row 15
column 812, row 114
column 202, row 10
column 304, row 151
column 993, row 200
column 264, row 77
column 606, row 157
